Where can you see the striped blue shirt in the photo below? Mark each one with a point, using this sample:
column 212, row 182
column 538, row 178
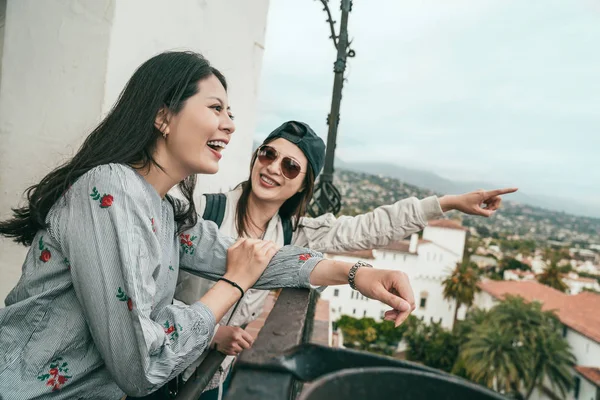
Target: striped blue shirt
column 92, row 315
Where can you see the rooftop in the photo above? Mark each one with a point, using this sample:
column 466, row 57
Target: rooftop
column 448, row 224
column 592, row 374
column 579, row 312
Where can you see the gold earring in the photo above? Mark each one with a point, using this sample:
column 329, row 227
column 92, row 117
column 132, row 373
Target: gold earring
column 165, row 135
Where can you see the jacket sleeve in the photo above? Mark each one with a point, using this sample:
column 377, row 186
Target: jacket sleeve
column 203, row 252
column 374, row 229
column 105, row 232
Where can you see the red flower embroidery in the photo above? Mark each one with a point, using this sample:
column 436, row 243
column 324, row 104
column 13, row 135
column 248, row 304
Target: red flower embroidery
column 304, row 257
column 122, row 296
column 56, row 376
column 172, row 330
column 45, row 255
column 105, row 200
column 186, row 243
column 153, row 226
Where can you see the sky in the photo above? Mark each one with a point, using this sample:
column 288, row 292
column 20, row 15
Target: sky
column 500, row 91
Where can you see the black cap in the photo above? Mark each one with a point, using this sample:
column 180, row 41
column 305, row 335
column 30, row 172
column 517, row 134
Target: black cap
column 306, row 139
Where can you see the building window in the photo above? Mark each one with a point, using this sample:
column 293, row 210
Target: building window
column 565, row 330
column 340, row 309
column 364, row 313
column 336, row 292
column 394, row 256
column 354, row 311
column 423, row 302
column 333, row 310
column 352, row 294
column 576, row 387
column 405, row 257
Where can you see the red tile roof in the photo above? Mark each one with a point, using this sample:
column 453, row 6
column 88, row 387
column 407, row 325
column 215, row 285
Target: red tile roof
column 448, row 224
column 592, row 374
column 579, row 312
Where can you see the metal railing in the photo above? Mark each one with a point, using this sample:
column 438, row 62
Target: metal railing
column 281, row 359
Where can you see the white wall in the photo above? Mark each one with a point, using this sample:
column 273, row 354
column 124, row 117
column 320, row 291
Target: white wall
column 585, row 349
column 452, row 239
column 65, row 62
column 587, row 391
column 484, row 300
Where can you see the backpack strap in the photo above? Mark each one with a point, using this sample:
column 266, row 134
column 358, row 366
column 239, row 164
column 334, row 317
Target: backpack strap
column 287, row 231
column 215, row 207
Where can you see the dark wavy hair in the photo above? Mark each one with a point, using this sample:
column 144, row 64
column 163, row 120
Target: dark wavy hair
column 294, row 207
column 127, row 135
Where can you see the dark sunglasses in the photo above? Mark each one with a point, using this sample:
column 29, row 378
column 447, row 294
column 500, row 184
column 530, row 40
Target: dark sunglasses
column 289, row 167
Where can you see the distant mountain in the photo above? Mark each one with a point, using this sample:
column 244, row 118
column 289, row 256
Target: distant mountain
column 431, row 181
column 434, row 182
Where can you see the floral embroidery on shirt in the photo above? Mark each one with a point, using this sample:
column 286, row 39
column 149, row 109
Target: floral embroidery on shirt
column 171, row 268
column 45, row 255
column 304, row 257
column 123, row 297
column 105, row 200
column 153, row 226
column 186, row 244
column 172, row 331
column 67, row 262
column 56, row 377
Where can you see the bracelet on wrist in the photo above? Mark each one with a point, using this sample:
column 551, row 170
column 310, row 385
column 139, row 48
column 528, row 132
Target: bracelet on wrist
column 352, row 272
column 232, row 283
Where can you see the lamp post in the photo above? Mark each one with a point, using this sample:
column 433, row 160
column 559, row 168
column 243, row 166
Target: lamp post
column 326, row 197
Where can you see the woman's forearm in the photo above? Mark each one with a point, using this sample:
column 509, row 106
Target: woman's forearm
column 330, row 272
column 220, row 298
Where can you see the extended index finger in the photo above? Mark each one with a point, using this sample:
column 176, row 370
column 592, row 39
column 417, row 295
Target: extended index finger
column 499, row 192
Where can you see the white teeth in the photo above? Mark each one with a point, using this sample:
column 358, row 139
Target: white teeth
column 267, row 180
column 217, row 143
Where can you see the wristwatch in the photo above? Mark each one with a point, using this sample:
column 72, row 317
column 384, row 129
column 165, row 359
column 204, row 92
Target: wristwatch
column 352, row 273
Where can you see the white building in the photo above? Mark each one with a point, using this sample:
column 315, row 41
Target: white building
column 427, row 263
column 578, row 284
column 65, row 62
column 581, row 327
column 518, row 275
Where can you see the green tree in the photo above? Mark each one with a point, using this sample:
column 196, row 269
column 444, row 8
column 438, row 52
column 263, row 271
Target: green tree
column 552, row 277
column 515, row 347
column 461, row 285
column 431, row 344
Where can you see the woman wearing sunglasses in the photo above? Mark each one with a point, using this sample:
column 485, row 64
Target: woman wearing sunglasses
column 271, row 204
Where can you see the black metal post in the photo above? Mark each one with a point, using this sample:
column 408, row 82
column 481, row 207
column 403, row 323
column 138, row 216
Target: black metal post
column 326, row 197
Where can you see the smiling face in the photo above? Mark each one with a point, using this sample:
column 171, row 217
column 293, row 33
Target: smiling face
column 268, row 181
column 196, row 135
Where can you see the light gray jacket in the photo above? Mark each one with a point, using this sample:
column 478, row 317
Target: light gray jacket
column 384, row 225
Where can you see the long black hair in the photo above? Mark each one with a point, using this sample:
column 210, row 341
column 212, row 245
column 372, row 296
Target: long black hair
column 294, row 207
column 127, row 135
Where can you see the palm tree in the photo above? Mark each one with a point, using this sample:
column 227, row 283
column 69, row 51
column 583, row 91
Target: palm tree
column 552, row 277
column 552, row 359
column 461, row 286
column 517, row 346
column 491, row 358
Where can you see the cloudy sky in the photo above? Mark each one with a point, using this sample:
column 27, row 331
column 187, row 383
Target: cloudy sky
column 504, row 91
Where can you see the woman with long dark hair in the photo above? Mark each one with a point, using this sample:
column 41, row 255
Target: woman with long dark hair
column 92, row 315
column 271, row 204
